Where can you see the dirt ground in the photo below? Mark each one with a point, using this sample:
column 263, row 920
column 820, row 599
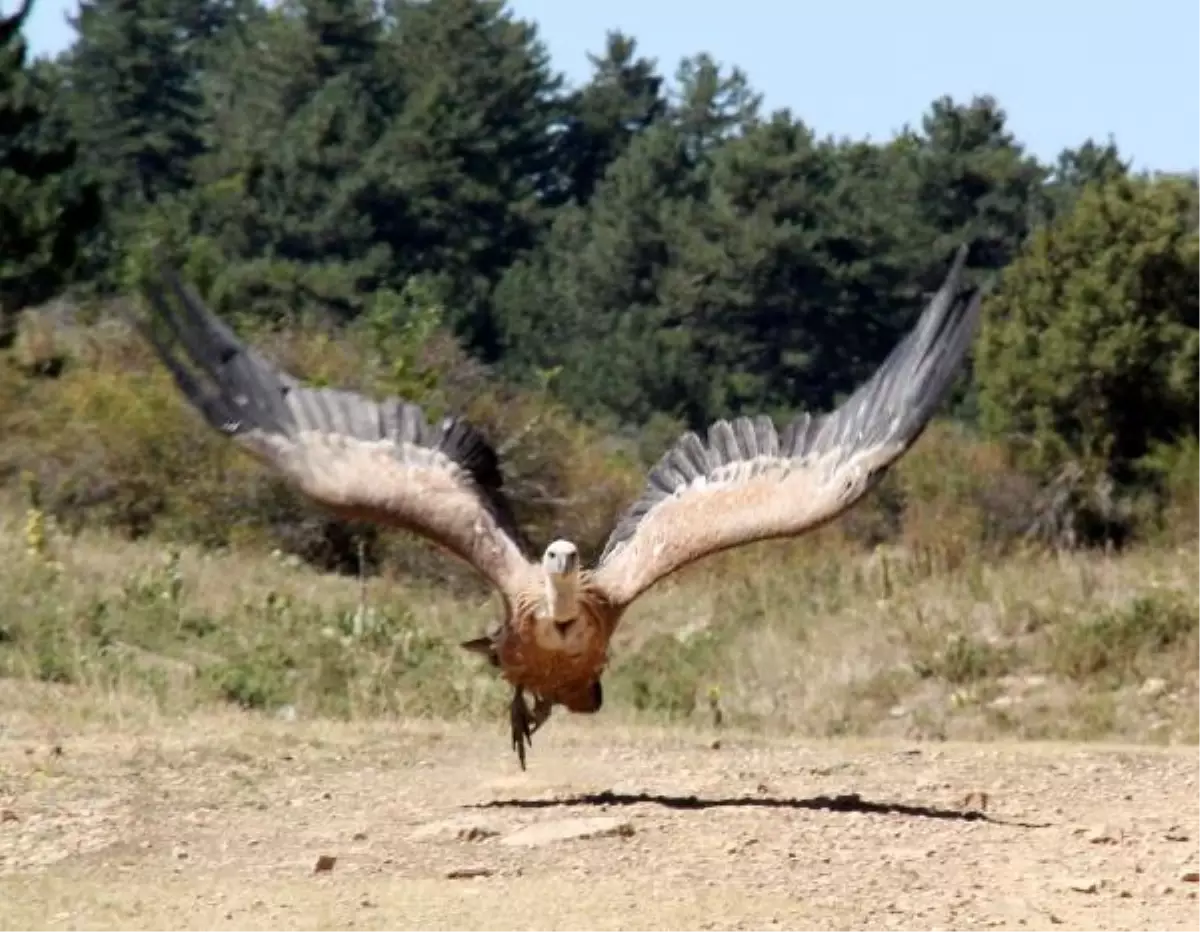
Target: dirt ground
column 219, row 822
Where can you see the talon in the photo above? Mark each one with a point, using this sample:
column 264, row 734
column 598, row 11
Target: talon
column 525, row 722
column 541, row 712
column 521, row 734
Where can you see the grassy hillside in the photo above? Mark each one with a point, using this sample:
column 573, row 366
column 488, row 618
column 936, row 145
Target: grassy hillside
column 791, row 638
column 142, row 556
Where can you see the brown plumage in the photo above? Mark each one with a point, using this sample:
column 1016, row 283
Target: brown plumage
column 382, row 462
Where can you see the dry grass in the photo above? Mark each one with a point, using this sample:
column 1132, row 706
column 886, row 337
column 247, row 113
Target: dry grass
column 216, row 822
column 803, row 638
column 919, row 613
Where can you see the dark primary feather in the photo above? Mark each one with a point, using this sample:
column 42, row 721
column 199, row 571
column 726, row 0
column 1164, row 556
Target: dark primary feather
column 892, row 407
column 240, row 393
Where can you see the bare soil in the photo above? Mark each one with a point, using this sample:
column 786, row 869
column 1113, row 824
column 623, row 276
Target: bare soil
column 218, row 821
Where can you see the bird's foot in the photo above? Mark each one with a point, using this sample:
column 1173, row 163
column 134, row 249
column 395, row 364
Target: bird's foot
column 525, row 722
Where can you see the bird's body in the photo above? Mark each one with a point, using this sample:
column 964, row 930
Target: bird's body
column 553, row 656
column 746, row 481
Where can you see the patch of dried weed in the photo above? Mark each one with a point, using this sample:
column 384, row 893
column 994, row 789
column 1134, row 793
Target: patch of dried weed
column 806, row 637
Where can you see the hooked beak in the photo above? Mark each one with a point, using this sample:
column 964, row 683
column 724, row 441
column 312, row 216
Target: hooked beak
column 561, row 564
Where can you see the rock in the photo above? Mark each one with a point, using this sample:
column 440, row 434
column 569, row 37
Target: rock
column 466, row 873
column 7, row 815
column 1153, row 687
column 458, row 829
column 545, row 833
column 1175, row 833
column 324, row 863
column 1084, row 885
column 1101, row 835
column 981, row 795
column 476, row 833
column 1190, row 876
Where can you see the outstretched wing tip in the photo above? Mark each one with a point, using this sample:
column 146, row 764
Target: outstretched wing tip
column 326, row 441
column 866, row 435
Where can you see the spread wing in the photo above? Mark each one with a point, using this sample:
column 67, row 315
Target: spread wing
column 362, row 459
column 750, row 483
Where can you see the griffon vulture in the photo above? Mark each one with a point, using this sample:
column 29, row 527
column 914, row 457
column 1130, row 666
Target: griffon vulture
column 381, row 461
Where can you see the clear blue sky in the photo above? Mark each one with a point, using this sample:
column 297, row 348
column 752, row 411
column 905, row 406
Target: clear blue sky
column 1063, row 70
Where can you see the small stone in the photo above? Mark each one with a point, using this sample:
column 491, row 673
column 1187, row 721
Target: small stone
column 1175, row 833
column 981, row 795
column 1084, row 885
column 360, row 836
column 1190, row 876
column 324, row 863
column 568, row 829
column 476, row 833
column 460, row 829
column 1101, row 835
column 466, row 873
column 1154, row 687
column 7, row 815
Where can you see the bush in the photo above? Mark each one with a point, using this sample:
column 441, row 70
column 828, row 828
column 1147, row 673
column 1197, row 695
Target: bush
column 110, row 443
column 1088, row 355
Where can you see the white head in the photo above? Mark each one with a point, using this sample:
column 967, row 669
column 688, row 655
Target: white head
column 560, row 627
column 561, row 559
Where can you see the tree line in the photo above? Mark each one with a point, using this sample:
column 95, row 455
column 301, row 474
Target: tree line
column 654, row 249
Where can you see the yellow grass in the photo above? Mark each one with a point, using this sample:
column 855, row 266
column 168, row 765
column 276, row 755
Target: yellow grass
column 804, row 638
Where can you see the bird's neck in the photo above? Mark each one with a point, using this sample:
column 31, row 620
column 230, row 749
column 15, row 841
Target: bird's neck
column 562, row 596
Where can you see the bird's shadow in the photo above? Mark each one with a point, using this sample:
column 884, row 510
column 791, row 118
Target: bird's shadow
column 847, row 802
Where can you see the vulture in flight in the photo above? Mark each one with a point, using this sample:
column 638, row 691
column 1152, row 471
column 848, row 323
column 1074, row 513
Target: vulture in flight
column 381, row 461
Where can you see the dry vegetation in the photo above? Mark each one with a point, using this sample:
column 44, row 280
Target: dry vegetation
column 203, row 695
column 144, row 557
column 793, row 639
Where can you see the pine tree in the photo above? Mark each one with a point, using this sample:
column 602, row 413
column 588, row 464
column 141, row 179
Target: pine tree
column 1089, row 351
column 44, row 211
column 623, row 98
column 460, row 179
column 295, row 103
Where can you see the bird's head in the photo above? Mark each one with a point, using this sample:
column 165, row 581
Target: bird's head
column 563, row 622
column 561, row 559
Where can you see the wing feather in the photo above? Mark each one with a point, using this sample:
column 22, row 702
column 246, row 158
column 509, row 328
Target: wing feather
column 750, row 482
column 378, row 461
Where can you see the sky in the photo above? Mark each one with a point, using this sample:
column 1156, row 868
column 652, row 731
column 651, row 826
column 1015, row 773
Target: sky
column 1063, row 71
